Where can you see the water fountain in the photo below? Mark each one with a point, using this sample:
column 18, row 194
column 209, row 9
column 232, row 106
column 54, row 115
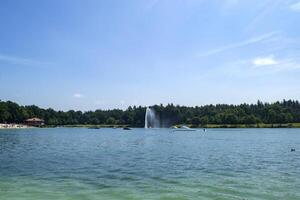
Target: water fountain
column 151, row 120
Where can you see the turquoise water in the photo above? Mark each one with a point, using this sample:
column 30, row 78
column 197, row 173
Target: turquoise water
column 78, row 163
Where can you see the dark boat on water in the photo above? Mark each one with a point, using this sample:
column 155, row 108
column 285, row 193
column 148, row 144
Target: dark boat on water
column 94, row 127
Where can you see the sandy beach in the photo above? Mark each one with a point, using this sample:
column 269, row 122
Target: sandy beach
column 12, row 126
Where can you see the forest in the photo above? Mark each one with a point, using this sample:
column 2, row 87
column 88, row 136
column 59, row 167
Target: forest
column 286, row 111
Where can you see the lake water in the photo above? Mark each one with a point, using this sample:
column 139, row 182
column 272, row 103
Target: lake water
column 88, row 164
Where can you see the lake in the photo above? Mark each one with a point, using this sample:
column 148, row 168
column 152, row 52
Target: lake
column 79, row 163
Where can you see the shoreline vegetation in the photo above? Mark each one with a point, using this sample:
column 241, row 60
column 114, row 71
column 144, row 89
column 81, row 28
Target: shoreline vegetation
column 261, row 125
column 97, row 126
column 280, row 114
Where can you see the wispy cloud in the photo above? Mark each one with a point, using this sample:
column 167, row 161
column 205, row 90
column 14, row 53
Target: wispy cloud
column 21, row 61
column 264, row 61
column 78, row 95
column 239, row 44
column 266, row 9
column 273, row 64
column 295, row 7
column 259, row 66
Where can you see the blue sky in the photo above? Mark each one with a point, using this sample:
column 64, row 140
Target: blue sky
column 71, row 54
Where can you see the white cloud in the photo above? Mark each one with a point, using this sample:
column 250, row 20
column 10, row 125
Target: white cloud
column 77, row 95
column 272, row 64
column 239, row 44
column 295, row 7
column 264, row 61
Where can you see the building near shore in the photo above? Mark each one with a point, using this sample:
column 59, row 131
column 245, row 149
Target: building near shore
column 34, row 122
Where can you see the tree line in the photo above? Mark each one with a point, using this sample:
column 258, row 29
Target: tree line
column 286, row 111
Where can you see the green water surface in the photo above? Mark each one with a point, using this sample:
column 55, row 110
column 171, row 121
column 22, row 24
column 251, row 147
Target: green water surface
column 79, row 163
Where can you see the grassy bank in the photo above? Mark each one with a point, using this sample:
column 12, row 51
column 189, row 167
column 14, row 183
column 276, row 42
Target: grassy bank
column 260, row 125
column 90, row 126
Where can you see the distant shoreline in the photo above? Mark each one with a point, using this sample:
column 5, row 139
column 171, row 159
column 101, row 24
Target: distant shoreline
column 280, row 114
column 14, row 126
column 261, row 125
column 94, row 126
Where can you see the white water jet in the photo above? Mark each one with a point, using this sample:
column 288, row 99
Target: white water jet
column 151, row 120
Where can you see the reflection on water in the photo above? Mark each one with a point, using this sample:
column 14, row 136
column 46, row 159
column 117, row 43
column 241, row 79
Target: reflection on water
column 78, row 163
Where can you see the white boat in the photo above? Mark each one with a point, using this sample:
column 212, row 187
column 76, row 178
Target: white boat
column 184, row 128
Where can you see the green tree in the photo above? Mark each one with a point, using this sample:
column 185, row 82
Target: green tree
column 111, row 120
column 204, row 120
column 196, row 121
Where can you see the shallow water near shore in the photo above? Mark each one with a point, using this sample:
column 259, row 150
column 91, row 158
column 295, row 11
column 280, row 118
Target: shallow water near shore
column 79, row 163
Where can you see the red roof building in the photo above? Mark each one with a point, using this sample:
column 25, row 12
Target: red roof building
column 35, row 122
